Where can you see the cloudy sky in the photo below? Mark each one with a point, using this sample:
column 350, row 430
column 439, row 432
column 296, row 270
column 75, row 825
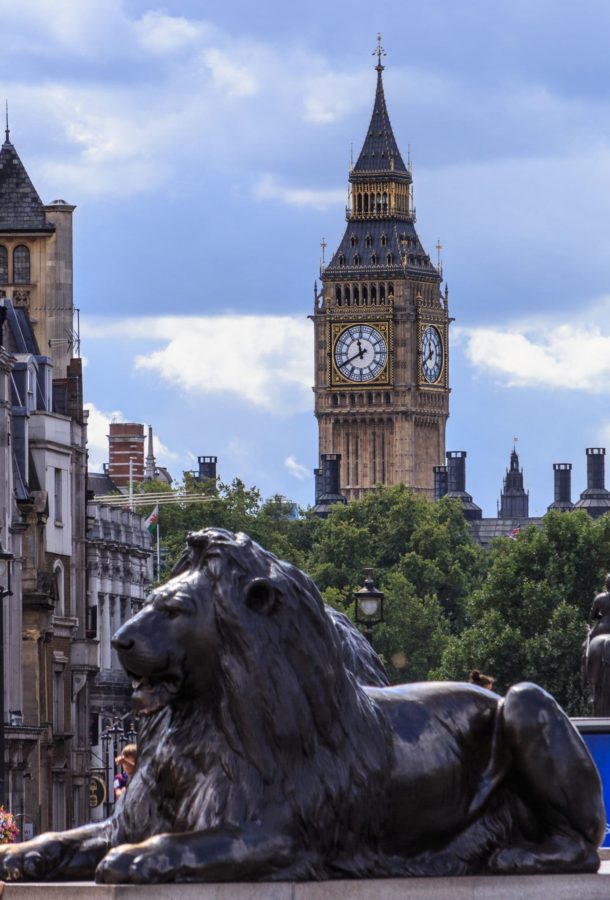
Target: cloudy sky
column 206, row 146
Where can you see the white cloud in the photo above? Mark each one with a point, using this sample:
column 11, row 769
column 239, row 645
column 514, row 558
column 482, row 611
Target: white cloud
column 265, row 360
column 165, row 34
column 295, row 468
column 542, row 353
column 269, row 188
column 234, row 80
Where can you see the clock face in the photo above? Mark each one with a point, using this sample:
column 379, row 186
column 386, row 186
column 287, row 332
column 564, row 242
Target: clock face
column 361, row 353
column 431, row 354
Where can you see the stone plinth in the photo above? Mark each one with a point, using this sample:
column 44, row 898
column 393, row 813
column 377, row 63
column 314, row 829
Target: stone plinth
column 516, row 887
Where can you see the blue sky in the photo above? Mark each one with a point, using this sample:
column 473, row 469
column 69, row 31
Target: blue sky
column 206, row 146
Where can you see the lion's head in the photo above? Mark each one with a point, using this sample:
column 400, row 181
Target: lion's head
column 242, row 641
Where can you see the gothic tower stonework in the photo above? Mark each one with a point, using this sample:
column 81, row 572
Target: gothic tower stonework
column 381, row 330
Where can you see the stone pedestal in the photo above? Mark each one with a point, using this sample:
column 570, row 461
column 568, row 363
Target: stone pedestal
column 532, row 887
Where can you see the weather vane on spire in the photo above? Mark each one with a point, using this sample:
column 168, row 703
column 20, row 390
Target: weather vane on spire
column 379, row 52
column 7, row 130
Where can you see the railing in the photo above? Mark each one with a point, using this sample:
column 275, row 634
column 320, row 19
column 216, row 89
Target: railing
column 388, row 213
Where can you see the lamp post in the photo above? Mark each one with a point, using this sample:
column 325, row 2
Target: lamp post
column 6, row 563
column 369, row 605
column 106, row 738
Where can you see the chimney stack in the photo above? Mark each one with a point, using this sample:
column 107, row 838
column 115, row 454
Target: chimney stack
column 207, row 468
column 440, row 482
column 562, row 477
column 456, row 483
column 327, row 484
column 595, row 499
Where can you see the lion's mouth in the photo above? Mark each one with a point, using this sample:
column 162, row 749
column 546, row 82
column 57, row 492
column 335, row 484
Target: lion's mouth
column 152, row 693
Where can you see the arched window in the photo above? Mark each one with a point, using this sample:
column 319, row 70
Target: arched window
column 21, row 265
column 372, row 202
column 341, row 260
column 356, row 294
column 3, row 264
column 385, row 202
column 368, row 240
column 346, row 296
column 382, row 293
column 374, row 259
column 390, row 258
column 373, row 294
column 352, row 240
column 335, row 400
column 357, row 259
column 58, row 583
column 365, row 294
column 378, row 202
column 359, row 203
column 366, row 203
column 390, row 290
column 338, row 294
column 384, row 240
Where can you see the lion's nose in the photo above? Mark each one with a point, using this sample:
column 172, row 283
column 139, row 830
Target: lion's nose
column 122, row 641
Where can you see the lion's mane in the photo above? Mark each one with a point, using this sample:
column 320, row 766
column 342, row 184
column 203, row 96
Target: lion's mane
column 289, row 724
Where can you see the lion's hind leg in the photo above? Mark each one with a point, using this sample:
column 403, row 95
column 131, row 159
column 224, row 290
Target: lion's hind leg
column 562, row 819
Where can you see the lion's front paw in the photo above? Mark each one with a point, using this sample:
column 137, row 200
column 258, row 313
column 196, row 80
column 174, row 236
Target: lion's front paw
column 135, row 864
column 22, row 862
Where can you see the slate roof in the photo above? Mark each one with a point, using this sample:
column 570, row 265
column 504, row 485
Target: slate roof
column 379, row 144
column 363, row 239
column 21, row 209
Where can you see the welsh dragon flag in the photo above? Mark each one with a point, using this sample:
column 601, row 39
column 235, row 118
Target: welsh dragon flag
column 153, row 520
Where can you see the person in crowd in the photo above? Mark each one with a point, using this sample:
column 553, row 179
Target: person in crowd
column 126, row 763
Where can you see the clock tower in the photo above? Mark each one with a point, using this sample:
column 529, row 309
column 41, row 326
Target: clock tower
column 381, row 330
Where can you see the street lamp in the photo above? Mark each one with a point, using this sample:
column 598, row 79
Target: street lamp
column 369, row 605
column 6, row 564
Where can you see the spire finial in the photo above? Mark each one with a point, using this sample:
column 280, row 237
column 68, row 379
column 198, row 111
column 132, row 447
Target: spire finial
column 379, row 52
column 7, row 131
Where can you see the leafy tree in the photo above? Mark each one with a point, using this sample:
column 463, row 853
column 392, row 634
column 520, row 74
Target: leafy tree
column 527, row 621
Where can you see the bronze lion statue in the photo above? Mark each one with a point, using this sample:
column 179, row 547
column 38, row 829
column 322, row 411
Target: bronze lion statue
column 263, row 757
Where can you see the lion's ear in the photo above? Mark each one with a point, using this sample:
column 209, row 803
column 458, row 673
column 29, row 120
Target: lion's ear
column 261, row 596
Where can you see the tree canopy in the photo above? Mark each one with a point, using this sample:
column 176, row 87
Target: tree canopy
column 517, row 611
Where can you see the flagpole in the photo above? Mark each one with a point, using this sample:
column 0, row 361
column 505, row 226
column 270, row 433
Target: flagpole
column 158, row 555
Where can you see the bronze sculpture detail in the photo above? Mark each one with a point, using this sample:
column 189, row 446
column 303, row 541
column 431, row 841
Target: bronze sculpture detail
column 596, row 653
column 262, row 757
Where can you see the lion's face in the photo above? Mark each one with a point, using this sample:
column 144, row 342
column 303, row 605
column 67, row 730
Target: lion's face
column 170, row 648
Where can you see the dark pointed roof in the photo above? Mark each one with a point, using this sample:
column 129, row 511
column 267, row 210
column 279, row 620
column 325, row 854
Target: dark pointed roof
column 21, row 209
column 379, row 144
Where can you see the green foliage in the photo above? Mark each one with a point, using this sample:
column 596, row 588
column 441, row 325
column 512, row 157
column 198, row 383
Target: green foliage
column 527, row 621
column 517, row 612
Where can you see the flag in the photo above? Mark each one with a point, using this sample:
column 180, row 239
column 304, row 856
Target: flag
column 153, row 520
column 513, row 535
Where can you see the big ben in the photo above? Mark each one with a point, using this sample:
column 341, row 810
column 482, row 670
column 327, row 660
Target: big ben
column 381, row 330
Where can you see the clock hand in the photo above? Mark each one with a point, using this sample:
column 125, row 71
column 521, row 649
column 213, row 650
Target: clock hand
column 360, row 355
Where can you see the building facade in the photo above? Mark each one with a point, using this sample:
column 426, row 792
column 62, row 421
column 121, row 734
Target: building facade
column 381, row 324
column 49, row 661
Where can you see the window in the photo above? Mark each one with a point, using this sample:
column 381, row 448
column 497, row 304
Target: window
column 356, row 295
column 368, row 240
column 58, row 579
column 341, row 260
column 58, row 496
column 365, row 294
column 3, row 264
column 58, row 700
column 21, row 265
column 357, row 259
column 384, row 240
column 374, row 259
column 352, row 240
